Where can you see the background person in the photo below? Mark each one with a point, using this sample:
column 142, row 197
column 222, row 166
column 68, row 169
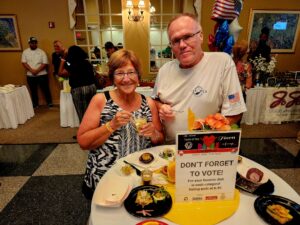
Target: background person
column 110, row 48
column 243, row 67
column 205, row 82
column 81, row 78
column 35, row 61
column 59, row 52
column 106, row 129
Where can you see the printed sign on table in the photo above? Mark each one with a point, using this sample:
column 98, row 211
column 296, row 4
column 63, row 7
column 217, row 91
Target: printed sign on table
column 206, row 165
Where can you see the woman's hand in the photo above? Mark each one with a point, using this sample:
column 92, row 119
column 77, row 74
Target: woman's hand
column 121, row 118
column 166, row 113
column 147, row 130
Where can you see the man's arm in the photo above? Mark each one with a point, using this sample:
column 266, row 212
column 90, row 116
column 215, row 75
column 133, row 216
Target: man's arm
column 234, row 119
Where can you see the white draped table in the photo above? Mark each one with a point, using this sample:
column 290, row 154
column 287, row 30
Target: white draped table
column 68, row 115
column 272, row 105
column 15, row 107
column 245, row 213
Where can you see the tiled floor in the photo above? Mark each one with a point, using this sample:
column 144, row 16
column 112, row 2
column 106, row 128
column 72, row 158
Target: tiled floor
column 41, row 184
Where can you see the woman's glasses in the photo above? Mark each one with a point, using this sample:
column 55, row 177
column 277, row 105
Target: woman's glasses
column 121, row 75
column 185, row 38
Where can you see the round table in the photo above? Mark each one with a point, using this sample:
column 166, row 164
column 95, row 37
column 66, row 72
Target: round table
column 245, row 213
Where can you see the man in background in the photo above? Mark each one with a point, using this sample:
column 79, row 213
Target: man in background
column 60, row 52
column 35, row 62
column 110, row 48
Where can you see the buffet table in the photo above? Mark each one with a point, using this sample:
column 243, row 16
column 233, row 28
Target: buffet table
column 272, row 105
column 68, row 115
column 15, row 107
column 244, row 214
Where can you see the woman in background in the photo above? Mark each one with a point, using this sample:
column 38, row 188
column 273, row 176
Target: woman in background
column 81, row 78
column 107, row 128
column 244, row 68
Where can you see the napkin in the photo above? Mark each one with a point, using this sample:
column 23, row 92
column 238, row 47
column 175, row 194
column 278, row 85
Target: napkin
column 201, row 213
column 112, row 191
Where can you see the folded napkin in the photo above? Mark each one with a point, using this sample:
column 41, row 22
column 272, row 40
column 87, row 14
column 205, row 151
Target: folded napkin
column 112, row 191
column 201, row 213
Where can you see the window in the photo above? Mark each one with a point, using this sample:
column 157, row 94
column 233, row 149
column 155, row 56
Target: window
column 160, row 51
column 98, row 21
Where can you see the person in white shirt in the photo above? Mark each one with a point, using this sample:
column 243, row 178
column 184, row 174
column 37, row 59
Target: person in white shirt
column 205, row 82
column 35, row 62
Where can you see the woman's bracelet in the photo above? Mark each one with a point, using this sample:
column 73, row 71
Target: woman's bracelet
column 109, row 128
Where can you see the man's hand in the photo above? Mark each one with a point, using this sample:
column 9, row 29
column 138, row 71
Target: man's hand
column 166, row 113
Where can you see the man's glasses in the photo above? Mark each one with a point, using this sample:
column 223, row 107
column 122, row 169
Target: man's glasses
column 186, row 38
column 121, row 75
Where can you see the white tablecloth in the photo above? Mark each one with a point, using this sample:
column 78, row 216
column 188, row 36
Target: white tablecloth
column 68, row 114
column 272, row 105
column 15, row 107
column 245, row 213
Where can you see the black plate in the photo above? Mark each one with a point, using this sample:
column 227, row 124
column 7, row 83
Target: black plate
column 250, row 187
column 262, row 202
column 157, row 209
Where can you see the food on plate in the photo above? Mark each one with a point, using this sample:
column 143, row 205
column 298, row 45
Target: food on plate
column 151, row 222
column 127, row 169
column 279, row 213
column 212, row 122
column 167, row 153
column 160, row 194
column 164, row 170
column 171, row 171
column 240, row 159
column 146, row 158
column 143, row 198
column 255, row 175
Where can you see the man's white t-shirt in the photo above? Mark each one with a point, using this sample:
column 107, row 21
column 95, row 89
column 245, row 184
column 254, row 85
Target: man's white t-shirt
column 34, row 58
column 209, row 87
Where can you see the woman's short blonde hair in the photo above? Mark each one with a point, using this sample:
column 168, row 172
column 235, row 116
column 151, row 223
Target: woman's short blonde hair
column 121, row 58
column 240, row 49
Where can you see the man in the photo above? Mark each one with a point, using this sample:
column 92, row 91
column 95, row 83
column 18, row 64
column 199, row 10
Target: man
column 35, row 62
column 110, row 48
column 60, row 52
column 205, row 82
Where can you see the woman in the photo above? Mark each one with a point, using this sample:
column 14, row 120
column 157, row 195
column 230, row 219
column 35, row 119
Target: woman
column 244, row 68
column 81, row 78
column 107, row 129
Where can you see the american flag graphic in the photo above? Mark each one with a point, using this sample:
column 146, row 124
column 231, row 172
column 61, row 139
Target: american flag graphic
column 226, row 9
column 233, row 98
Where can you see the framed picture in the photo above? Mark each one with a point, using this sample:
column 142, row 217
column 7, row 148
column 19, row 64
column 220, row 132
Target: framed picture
column 282, row 24
column 9, row 33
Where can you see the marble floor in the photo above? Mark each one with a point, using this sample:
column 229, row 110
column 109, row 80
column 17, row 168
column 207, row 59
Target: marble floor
column 41, row 183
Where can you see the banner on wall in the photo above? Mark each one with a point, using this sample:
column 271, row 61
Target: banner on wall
column 282, row 104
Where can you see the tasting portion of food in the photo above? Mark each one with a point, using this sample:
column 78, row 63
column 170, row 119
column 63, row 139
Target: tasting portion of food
column 151, row 222
column 160, row 194
column 255, row 175
column 143, row 198
column 279, row 213
column 277, row 210
column 146, row 158
column 167, row 153
column 127, row 169
column 148, row 201
column 171, row 172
